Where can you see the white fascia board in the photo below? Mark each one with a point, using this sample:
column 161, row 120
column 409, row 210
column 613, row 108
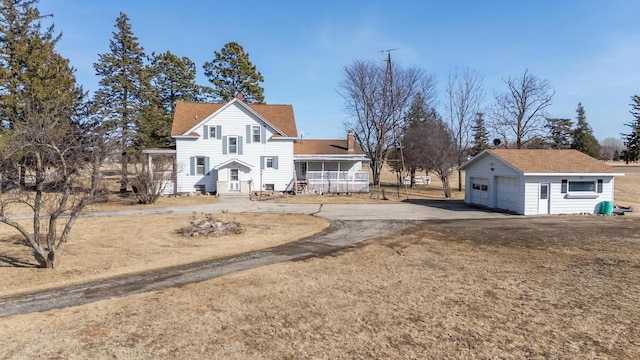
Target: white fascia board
column 159, row 151
column 573, row 174
column 234, row 160
column 188, row 137
column 329, row 158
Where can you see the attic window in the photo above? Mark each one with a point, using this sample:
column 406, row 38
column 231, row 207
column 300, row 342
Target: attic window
column 212, row 132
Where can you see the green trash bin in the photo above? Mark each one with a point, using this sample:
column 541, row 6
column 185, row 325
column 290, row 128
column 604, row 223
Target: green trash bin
column 606, row 208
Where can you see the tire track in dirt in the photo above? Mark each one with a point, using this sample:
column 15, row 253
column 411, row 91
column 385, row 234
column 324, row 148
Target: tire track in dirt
column 339, row 235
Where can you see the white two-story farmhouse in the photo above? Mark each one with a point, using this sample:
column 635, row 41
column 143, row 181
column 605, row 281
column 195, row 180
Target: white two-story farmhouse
column 236, row 148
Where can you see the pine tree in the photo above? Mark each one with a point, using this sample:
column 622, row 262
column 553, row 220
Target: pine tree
column 124, row 88
column 632, row 139
column 231, row 72
column 560, row 133
column 40, row 105
column 616, row 155
column 480, row 135
column 30, row 68
column 172, row 79
column 583, row 138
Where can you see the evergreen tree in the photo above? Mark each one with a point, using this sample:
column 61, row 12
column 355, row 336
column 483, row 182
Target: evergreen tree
column 417, row 110
column 172, row 79
column 124, row 88
column 583, row 138
column 40, row 104
column 30, row 68
column 632, row 139
column 416, row 114
column 231, row 72
column 480, row 135
column 616, row 155
column 560, row 133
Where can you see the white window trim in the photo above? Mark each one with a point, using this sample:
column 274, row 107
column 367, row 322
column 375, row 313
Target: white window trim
column 266, row 162
column 212, row 133
column 229, row 145
column 253, row 134
column 582, row 194
column 199, row 168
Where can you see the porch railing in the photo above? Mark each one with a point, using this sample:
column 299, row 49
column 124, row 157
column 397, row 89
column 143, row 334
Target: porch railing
column 337, row 181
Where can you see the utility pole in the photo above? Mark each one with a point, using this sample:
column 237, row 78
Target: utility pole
column 387, row 96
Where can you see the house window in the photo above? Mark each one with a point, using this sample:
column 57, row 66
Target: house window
column 268, row 163
column 200, row 165
column 269, row 187
column 544, row 192
column 582, row 186
column 233, row 145
column 256, row 134
column 234, row 175
column 212, row 132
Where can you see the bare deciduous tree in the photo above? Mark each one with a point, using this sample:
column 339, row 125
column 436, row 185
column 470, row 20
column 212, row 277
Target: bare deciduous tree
column 152, row 180
column 62, row 160
column 431, row 146
column 518, row 115
column 464, row 98
column 609, row 146
column 377, row 102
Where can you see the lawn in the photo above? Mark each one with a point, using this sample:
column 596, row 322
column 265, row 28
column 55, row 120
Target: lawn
column 537, row 287
column 102, row 247
column 552, row 287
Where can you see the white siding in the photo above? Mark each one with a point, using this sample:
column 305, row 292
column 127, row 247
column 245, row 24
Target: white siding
column 233, row 121
column 479, row 196
column 560, row 203
column 490, row 168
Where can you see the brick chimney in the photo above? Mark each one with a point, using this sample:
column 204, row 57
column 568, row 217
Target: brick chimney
column 239, row 96
column 351, row 141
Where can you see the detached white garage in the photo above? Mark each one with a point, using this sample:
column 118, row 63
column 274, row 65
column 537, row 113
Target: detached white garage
column 538, row 182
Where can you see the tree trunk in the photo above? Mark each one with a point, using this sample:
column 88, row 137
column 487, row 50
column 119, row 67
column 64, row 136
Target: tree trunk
column 446, row 187
column 413, row 177
column 124, row 169
column 376, row 174
column 459, row 179
column 51, row 261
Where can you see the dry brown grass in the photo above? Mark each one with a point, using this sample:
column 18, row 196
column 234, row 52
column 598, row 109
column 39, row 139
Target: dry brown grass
column 523, row 288
column 102, row 247
column 627, row 190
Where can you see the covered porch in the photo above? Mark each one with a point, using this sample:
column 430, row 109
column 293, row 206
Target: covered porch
column 330, row 175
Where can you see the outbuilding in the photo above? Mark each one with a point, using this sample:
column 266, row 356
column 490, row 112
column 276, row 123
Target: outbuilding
column 538, row 182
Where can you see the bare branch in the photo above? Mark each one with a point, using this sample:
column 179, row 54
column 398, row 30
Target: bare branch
column 518, row 115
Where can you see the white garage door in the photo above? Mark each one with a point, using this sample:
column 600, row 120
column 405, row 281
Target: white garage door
column 507, row 193
column 480, row 191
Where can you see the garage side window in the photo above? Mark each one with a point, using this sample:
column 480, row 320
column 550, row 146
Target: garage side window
column 582, row 186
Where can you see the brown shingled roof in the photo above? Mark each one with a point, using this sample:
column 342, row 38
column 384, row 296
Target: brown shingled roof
column 552, row 161
column 189, row 114
column 324, row 147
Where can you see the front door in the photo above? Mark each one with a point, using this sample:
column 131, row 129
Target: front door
column 543, row 199
column 234, row 180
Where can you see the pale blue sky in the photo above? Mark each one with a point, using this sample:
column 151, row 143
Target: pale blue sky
column 588, row 50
